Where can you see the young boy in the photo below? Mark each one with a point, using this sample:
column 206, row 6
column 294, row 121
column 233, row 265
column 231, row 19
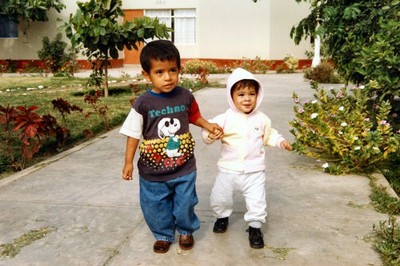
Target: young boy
column 241, row 165
column 167, row 166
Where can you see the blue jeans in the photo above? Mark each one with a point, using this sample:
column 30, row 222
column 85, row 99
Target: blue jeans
column 169, row 206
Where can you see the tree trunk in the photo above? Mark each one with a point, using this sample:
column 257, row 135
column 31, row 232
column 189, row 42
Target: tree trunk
column 106, row 78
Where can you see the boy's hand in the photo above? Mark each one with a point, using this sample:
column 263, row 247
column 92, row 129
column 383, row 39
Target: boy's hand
column 286, row 145
column 127, row 172
column 216, row 131
column 217, row 134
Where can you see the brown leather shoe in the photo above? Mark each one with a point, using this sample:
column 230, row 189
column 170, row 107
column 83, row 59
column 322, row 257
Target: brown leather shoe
column 161, row 246
column 186, row 242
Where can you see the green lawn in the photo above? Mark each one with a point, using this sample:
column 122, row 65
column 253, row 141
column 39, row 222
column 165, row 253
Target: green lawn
column 40, row 91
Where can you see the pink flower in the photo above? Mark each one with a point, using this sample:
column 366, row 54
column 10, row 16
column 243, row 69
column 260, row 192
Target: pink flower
column 384, row 122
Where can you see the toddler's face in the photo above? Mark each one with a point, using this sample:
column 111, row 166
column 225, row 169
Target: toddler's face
column 164, row 76
column 245, row 99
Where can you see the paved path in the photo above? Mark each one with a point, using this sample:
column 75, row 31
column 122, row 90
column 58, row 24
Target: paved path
column 95, row 218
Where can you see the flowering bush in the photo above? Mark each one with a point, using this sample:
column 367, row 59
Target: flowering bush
column 323, row 73
column 195, row 66
column 341, row 130
column 291, row 63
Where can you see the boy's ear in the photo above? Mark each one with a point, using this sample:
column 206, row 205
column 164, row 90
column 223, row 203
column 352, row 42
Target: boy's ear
column 146, row 75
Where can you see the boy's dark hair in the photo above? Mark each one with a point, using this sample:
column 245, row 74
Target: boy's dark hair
column 160, row 50
column 245, row 83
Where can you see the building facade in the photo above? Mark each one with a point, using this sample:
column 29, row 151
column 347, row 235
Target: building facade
column 222, row 31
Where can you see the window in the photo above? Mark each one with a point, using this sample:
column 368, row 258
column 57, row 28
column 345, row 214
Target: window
column 8, row 28
column 182, row 21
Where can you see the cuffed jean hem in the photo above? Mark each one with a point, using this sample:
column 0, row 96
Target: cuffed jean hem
column 165, row 239
column 184, row 233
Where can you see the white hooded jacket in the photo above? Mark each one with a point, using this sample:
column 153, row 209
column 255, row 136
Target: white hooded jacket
column 245, row 135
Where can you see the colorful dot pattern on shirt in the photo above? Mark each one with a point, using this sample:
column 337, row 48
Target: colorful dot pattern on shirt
column 153, row 153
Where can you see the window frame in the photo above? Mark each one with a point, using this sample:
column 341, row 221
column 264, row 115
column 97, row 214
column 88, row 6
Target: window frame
column 8, row 28
column 171, row 21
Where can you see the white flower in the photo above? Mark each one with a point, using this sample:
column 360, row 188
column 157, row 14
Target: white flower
column 341, row 108
column 314, row 115
column 362, row 87
column 355, row 138
column 340, row 132
column 325, row 165
column 343, row 124
column 357, row 148
column 315, row 101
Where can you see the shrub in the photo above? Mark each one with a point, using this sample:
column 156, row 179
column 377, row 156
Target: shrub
column 53, row 53
column 99, row 109
column 341, row 130
column 11, row 65
column 255, row 66
column 200, row 69
column 323, row 73
column 291, row 63
column 26, row 129
column 362, row 38
column 195, row 66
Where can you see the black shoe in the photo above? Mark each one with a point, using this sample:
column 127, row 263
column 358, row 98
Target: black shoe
column 221, row 225
column 255, row 237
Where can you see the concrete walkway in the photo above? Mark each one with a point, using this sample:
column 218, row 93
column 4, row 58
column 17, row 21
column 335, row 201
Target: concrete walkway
column 94, row 216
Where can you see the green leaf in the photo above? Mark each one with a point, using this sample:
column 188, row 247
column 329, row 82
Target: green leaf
column 114, row 52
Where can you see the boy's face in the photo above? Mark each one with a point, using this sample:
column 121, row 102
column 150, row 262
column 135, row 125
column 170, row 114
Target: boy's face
column 164, row 75
column 245, row 99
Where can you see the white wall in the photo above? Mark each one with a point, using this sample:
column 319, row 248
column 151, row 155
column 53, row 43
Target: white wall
column 285, row 14
column 233, row 29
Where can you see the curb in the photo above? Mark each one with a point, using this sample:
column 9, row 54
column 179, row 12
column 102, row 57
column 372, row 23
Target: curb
column 382, row 181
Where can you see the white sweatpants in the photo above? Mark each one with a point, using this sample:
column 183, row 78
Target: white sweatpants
column 252, row 187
